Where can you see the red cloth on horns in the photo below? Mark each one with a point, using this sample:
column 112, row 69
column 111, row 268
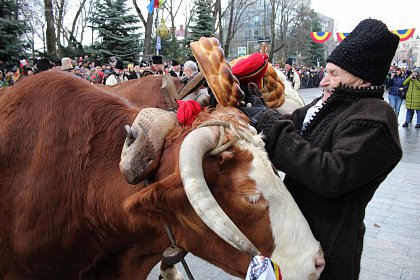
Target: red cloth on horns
column 187, row 111
column 251, row 69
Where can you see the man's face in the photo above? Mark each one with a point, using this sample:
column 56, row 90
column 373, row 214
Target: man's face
column 335, row 76
column 187, row 72
column 137, row 68
column 287, row 67
column 118, row 71
column 158, row 67
column 176, row 68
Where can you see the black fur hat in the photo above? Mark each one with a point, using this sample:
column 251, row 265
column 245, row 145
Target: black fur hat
column 157, row 59
column 174, row 62
column 289, row 61
column 367, row 51
column 119, row 64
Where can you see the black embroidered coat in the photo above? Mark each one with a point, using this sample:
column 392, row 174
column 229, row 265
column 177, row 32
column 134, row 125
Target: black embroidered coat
column 334, row 166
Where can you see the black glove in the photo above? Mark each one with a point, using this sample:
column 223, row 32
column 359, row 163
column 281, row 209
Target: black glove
column 257, row 107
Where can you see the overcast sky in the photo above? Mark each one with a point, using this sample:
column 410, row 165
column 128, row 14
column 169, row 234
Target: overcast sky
column 348, row 13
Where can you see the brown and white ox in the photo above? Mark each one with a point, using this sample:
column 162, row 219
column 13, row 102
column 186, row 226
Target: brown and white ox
column 68, row 213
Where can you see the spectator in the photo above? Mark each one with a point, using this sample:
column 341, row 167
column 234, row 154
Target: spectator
column 77, row 71
column 190, row 69
column 337, row 150
column 9, row 78
column 96, row 76
column 176, row 69
column 156, row 68
column 412, row 101
column 136, row 73
column 66, row 64
column 2, row 79
column 396, row 90
column 117, row 76
column 42, row 65
column 291, row 74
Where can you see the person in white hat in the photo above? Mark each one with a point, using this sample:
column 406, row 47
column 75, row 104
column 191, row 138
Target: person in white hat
column 66, row 64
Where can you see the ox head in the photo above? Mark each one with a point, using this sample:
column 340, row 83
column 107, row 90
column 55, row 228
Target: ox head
column 217, row 190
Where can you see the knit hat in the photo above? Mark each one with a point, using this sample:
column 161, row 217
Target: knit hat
column 157, row 59
column 367, row 51
column 251, row 69
column 119, row 64
column 66, row 64
column 289, row 61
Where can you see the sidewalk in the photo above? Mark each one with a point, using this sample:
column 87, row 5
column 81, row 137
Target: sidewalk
column 392, row 240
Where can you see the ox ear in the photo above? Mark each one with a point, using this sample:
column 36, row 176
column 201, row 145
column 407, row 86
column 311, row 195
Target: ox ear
column 156, row 200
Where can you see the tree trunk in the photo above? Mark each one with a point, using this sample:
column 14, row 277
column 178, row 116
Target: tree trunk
column 50, row 32
column 60, row 8
column 148, row 25
column 218, row 15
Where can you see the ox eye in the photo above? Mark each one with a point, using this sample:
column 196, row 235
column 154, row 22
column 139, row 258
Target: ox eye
column 253, row 198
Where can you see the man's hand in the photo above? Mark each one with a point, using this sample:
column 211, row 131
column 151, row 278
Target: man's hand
column 254, row 109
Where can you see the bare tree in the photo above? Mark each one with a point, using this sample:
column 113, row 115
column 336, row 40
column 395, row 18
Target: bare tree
column 50, row 31
column 78, row 18
column 218, row 14
column 283, row 15
column 236, row 19
column 33, row 13
column 60, row 12
column 173, row 10
column 148, row 27
column 85, row 15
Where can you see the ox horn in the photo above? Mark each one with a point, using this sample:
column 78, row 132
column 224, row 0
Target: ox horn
column 193, row 148
column 144, row 143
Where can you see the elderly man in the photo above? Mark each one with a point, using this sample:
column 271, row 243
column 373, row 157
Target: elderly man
column 337, row 150
column 190, row 69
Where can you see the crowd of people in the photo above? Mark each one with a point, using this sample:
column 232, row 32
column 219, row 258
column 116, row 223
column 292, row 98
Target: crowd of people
column 113, row 72
column 404, row 84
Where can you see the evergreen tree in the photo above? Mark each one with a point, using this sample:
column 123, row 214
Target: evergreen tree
column 117, row 32
column 12, row 48
column 314, row 53
column 202, row 23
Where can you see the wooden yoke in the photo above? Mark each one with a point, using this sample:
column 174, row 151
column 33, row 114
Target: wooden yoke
column 169, row 92
column 191, row 86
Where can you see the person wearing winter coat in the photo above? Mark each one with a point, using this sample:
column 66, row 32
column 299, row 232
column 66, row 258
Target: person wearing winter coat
column 337, row 150
column 396, row 90
column 412, row 101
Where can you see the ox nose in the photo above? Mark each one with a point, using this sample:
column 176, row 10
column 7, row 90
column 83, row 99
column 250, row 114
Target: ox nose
column 319, row 265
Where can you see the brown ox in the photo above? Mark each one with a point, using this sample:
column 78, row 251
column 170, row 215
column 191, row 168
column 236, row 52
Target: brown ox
column 146, row 92
column 68, row 213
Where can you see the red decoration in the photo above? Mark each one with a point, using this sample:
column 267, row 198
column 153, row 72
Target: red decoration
column 187, row 111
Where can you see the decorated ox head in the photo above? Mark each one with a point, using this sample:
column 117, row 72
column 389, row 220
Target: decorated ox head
column 215, row 187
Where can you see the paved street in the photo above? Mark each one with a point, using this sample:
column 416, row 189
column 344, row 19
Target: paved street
column 392, row 240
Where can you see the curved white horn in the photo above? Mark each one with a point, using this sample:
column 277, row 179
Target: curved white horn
column 193, row 148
